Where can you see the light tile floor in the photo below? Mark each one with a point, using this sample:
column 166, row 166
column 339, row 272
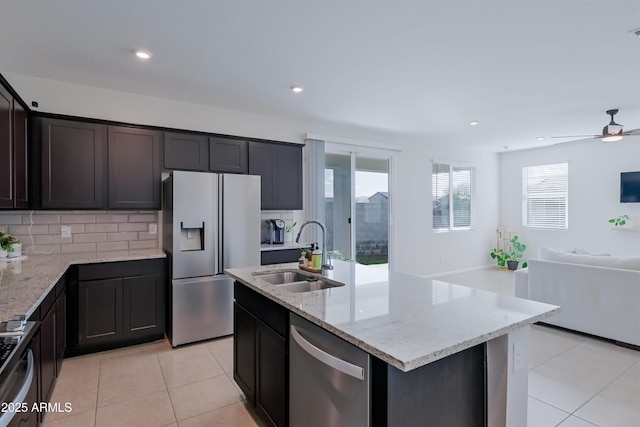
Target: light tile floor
column 152, row 385
column 574, row 380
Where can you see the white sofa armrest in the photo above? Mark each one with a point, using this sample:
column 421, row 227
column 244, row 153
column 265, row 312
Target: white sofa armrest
column 522, row 283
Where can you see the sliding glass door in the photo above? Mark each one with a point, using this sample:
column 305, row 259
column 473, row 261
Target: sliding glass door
column 357, row 206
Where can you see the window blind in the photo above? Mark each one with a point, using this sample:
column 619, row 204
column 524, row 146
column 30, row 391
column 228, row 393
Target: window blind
column 451, row 195
column 545, row 192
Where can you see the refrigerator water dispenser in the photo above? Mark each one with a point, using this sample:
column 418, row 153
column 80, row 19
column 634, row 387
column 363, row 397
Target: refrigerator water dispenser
column 191, row 237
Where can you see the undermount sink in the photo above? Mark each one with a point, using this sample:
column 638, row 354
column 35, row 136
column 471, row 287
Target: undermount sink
column 282, row 277
column 295, row 281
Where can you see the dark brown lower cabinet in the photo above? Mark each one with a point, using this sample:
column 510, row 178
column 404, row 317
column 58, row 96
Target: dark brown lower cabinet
column 116, row 304
column 271, row 375
column 48, row 346
column 99, row 311
column 260, row 354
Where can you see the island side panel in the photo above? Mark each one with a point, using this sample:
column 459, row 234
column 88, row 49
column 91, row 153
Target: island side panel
column 447, row 392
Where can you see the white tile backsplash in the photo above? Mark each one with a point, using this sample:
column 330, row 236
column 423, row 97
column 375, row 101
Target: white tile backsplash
column 40, row 231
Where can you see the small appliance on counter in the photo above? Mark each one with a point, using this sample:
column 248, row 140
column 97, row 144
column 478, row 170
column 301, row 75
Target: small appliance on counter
column 276, row 234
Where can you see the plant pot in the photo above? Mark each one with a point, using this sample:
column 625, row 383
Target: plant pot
column 512, row 265
column 15, row 251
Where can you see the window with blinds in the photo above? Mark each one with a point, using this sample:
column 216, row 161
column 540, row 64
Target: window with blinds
column 545, row 194
column 451, row 196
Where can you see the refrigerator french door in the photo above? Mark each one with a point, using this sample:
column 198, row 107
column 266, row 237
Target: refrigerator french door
column 210, row 222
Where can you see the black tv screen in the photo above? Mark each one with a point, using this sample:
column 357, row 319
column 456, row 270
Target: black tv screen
column 630, row 187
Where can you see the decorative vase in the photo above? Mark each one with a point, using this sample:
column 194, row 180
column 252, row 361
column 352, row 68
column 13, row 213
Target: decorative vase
column 15, row 251
column 288, row 236
column 512, row 265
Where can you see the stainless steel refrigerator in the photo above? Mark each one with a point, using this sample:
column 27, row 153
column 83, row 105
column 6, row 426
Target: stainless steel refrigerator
column 210, row 222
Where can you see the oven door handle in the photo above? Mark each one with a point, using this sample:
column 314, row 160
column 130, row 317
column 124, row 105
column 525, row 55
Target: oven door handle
column 6, row 417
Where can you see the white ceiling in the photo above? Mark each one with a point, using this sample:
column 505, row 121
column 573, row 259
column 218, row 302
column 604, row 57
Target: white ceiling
column 425, row 69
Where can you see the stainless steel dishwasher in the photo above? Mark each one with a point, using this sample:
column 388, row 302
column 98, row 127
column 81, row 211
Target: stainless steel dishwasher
column 328, row 378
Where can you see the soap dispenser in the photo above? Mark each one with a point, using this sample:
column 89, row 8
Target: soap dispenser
column 316, row 257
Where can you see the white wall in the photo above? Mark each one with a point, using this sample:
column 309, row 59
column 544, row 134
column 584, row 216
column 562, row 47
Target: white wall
column 423, row 252
column 418, row 250
column 594, row 195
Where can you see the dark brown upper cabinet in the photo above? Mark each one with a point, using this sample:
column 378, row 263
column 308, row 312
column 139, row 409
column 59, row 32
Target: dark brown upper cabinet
column 88, row 165
column 280, row 169
column 186, row 151
column 73, row 164
column 228, row 155
column 134, row 168
column 13, row 152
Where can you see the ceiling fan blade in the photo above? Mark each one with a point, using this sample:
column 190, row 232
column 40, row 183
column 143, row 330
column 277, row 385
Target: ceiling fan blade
column 631, row 132
column 577, row 136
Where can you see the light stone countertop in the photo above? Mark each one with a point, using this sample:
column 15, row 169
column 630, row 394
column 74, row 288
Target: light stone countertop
column 404, row 320
column 24, row 283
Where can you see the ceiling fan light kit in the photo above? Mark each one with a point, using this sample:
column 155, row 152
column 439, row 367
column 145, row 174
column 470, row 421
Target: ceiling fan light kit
column 612, row 132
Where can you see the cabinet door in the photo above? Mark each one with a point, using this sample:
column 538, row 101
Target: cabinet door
column 186, row 151
column 48, row 353
column 143, row 306
column 99, row 311
column 280, row 169
column 6, row 150
column 73, row 162
column 288, row 177
column 134, row 168
column 20, row 147
column 271, row 375
column 228, row 155
column 262, row 162
column 61, row 330
column 244, row 366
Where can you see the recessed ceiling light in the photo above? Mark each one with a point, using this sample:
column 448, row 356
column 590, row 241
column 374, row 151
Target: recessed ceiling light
column 474, row 123
column 142, row 54
column 297, row 89
column 540, row 138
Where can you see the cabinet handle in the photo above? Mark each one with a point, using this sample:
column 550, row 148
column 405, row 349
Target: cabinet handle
column 328, row 359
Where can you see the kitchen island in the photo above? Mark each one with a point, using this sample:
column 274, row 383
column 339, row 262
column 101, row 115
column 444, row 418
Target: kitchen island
column 415, row 329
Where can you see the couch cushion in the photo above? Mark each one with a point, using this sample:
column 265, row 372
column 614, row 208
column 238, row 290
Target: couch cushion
column 557, row 255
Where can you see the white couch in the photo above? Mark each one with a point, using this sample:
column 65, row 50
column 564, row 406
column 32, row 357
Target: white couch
column 599, row 295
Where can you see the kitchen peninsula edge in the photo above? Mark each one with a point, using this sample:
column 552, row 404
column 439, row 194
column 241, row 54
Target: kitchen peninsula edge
column 410, row 324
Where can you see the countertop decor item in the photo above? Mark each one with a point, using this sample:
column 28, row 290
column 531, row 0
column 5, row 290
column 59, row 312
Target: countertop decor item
column 9, row 246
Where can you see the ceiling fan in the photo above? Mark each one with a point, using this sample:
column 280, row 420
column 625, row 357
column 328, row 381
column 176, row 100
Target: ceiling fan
column 610, row 133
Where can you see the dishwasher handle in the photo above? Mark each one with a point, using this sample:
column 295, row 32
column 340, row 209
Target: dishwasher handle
column 326, row 358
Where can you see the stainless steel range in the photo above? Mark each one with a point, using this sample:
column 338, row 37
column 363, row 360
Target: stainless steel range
column 210, row 222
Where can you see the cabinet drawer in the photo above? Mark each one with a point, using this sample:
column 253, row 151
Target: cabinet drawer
column 109, row 270
column 269, row 312
column 279, row 256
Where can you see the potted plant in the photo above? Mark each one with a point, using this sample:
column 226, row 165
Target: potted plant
column 500, row 256
column 620, row 221
column 288, row 232
column 9, row 245
column 513, row 256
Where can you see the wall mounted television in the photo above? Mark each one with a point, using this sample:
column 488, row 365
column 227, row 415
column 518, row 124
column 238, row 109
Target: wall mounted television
column 630, row 187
